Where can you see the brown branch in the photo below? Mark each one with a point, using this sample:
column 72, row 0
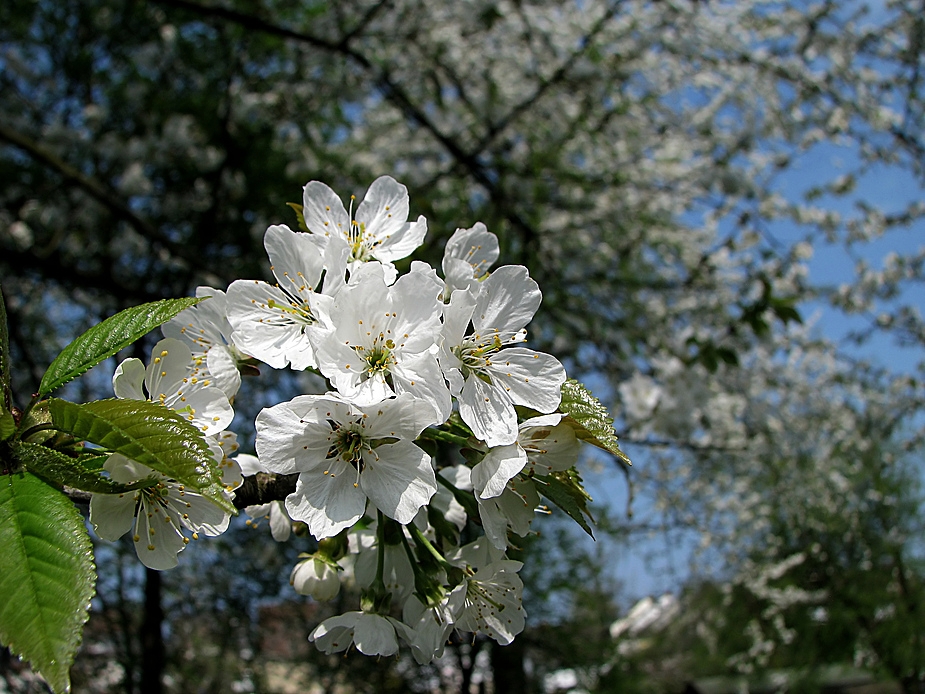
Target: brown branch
column 263, row 488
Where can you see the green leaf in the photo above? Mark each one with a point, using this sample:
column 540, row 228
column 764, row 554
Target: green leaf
column 62, row 469
column 148, row 433
column 7, row 424
column 47, row 576
column 299, row 213
column 589, row 418
column 102, row 341
column 565, row 490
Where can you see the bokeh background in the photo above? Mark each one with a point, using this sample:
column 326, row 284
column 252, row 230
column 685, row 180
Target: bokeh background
column 723, row 205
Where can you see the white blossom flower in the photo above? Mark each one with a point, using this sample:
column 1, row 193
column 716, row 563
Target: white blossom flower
column 206, row 331
column 315, row 576
column 544, row 444
column 271, row 322
column 467, row 257
column 397, row 572
column 493, row 604
column 380, row 230
column 346, row 454
column 372, row 634
column 487, row 375
column 376, row 341
column 173, row 380
column 156, row 515
column 426, row 629
column 513, row 509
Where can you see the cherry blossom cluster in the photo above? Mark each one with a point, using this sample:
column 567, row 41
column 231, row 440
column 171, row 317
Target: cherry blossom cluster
column 412, row 362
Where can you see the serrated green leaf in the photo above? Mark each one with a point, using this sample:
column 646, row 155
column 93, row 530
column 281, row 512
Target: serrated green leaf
column 64, row 470
column 565, row 490
column 7, row 424
column 105, row 339
column 47, row 576
column 589, row 418
column 299, row 214
column 148, row 433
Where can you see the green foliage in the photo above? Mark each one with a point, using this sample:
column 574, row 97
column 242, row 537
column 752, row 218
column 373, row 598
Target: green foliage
column 7, row 424
column 46, row 575
column 589, row 418
column 565, row 490
column 148, row 433
column 105, row 339
column 79, row 472
column 300, row 215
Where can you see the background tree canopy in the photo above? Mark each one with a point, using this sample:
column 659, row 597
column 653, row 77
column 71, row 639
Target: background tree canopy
column 634, row 155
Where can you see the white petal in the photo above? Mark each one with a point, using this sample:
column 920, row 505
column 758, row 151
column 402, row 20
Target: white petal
column 250, row 464
column 327, row 503
column 399, row 479
column 157, row 542
column 402, row 243
column 171, row 363
column 272, row 335
column 280, row 522
column 491, row 475
column 323, row 210
column 335, row 634
column 477, row 247
column 488, row 411
column 198, row 513
column 512, row 509
column 507, row 300
column 384, row 210
column 530, row 378
column 297, row 259
column 415, row 297
column 422, row 377
column 289, row 436
column 374, row 635
column 128, row 379
column 402, row 417
column 549, row 447
column 223, row 369
column 456, row 317
column 207, row 408
column 112, row 515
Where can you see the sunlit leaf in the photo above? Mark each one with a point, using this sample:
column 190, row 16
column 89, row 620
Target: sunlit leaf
column 105, row 339
column 149, row 434
column 589, row 418
column 47, row 576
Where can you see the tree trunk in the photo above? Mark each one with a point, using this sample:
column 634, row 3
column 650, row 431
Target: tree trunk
column 507, row 668
column 153, row 656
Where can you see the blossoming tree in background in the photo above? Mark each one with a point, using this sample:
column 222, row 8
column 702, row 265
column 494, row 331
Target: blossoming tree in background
column 374, row 481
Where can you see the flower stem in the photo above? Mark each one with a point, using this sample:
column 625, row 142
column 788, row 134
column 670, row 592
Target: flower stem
column 439, row 435
column 422, row 541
